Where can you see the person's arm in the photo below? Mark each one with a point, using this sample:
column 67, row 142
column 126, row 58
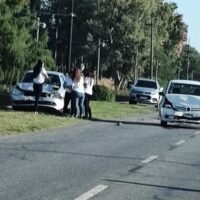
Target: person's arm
column 44, row 72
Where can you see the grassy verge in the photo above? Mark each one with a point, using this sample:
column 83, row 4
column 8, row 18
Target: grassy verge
column 13, row 122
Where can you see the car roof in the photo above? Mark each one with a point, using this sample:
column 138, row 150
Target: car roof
column 190, row 82
column 146, row 79
column 49, row 72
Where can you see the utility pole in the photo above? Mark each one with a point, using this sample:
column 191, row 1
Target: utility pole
column 70, row 35
column 136, row 61
column 151, row 52
column 188, row 60
column 98, row 61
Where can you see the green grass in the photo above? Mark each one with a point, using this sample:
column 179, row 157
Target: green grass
column 15, row 122
column 111, row 110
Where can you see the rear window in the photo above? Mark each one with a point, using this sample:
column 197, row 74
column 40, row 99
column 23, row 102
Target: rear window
column 147, row 84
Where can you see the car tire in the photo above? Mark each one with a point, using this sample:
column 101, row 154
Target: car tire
column 163, row 123
column 132, row 102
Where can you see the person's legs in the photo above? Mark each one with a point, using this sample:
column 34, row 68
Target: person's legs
column 86, row 103
column 89, row 108
column 81, row 103
column 67, row 100
column 73, row 103
column 38, row 91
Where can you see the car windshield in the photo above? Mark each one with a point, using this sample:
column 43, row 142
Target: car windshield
column 178, row 88
column 53, row 79
column 147, row 84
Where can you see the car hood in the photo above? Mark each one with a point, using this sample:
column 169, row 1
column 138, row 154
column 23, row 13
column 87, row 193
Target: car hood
column 144, row 89
column 47, row 88
column 184, row 100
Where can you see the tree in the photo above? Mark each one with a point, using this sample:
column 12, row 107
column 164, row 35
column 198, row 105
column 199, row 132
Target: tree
column 18, row 47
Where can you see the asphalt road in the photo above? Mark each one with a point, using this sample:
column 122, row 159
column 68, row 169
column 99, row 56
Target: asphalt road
column 135, row 160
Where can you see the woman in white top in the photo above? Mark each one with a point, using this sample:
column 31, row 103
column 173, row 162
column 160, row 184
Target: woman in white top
column 78, row 94
column 39, row 76
column 88, row 85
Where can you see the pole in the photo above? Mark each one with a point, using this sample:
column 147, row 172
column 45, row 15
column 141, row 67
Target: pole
column 55, row 54
column 38, row 29
column 151, row 52
column 188, row 61
column 70, row 36
column 98, row 61
column 136, row 62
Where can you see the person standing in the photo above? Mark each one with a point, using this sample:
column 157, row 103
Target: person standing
column 78, row 94
column 39, row 76
column 88, row 86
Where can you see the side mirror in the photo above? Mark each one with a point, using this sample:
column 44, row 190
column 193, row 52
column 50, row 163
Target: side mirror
column 161, row 89
column 129, row 85
column 161, row 93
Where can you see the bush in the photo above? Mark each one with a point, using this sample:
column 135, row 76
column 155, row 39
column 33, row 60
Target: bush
column 102, row 93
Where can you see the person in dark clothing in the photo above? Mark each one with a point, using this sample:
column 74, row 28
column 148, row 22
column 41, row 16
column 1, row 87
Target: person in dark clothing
column 88, row 86
column 39, row 76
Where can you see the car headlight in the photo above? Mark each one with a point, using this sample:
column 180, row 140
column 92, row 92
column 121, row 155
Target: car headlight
column 167, row 106
column 56, row 94
column 15, row 91
column 153, row 93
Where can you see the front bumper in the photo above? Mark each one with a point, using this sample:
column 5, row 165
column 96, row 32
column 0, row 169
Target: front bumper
column 44, row 102
column 170, row 115
column 144, row 98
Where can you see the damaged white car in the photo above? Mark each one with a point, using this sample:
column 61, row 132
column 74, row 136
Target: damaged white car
column 53, row 93
column 181, row 102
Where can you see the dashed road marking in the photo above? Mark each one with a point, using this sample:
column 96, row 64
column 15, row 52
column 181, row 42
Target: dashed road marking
column 180, row 142
column 91, row 193
column 149, row 159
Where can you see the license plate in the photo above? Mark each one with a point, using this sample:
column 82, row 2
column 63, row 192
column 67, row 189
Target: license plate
column 28, row 98
column 144, row 98
column 179, row 114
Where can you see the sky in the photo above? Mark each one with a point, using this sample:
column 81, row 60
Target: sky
column 191, row 15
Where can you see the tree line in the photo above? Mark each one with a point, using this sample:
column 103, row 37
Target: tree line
column 136, row 37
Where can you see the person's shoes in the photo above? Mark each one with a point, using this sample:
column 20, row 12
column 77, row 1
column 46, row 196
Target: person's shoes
column 36, row 112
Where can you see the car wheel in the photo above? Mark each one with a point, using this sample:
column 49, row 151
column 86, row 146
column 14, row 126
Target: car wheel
column 132, row 102
column 163, row 123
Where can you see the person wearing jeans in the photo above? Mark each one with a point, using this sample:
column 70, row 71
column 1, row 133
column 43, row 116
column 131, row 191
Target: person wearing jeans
column 78, row 94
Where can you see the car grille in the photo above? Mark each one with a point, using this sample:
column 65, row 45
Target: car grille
column 181, row 108
column 143, row 96
column 31, row 93
column 48, row 103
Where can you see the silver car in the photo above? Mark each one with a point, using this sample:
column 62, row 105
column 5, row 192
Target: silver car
column 145, row 91
column 181, row 102
column 53, row 93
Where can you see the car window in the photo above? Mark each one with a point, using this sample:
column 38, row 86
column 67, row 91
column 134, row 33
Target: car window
column 53, row 79
column 147, row 84
column 28, row 78
column 178, row 88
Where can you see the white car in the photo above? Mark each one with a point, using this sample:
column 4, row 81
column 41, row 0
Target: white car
column 145, row 91
column 53, row 93
column 181, row 102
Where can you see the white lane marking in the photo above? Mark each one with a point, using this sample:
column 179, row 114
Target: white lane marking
column 149, row 159
column 94, row 191
column 197, row 133
column 180, row 142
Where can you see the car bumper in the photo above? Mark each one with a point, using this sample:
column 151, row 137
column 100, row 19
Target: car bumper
column 169, row 115
column 44, row 102
column 152, row 99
